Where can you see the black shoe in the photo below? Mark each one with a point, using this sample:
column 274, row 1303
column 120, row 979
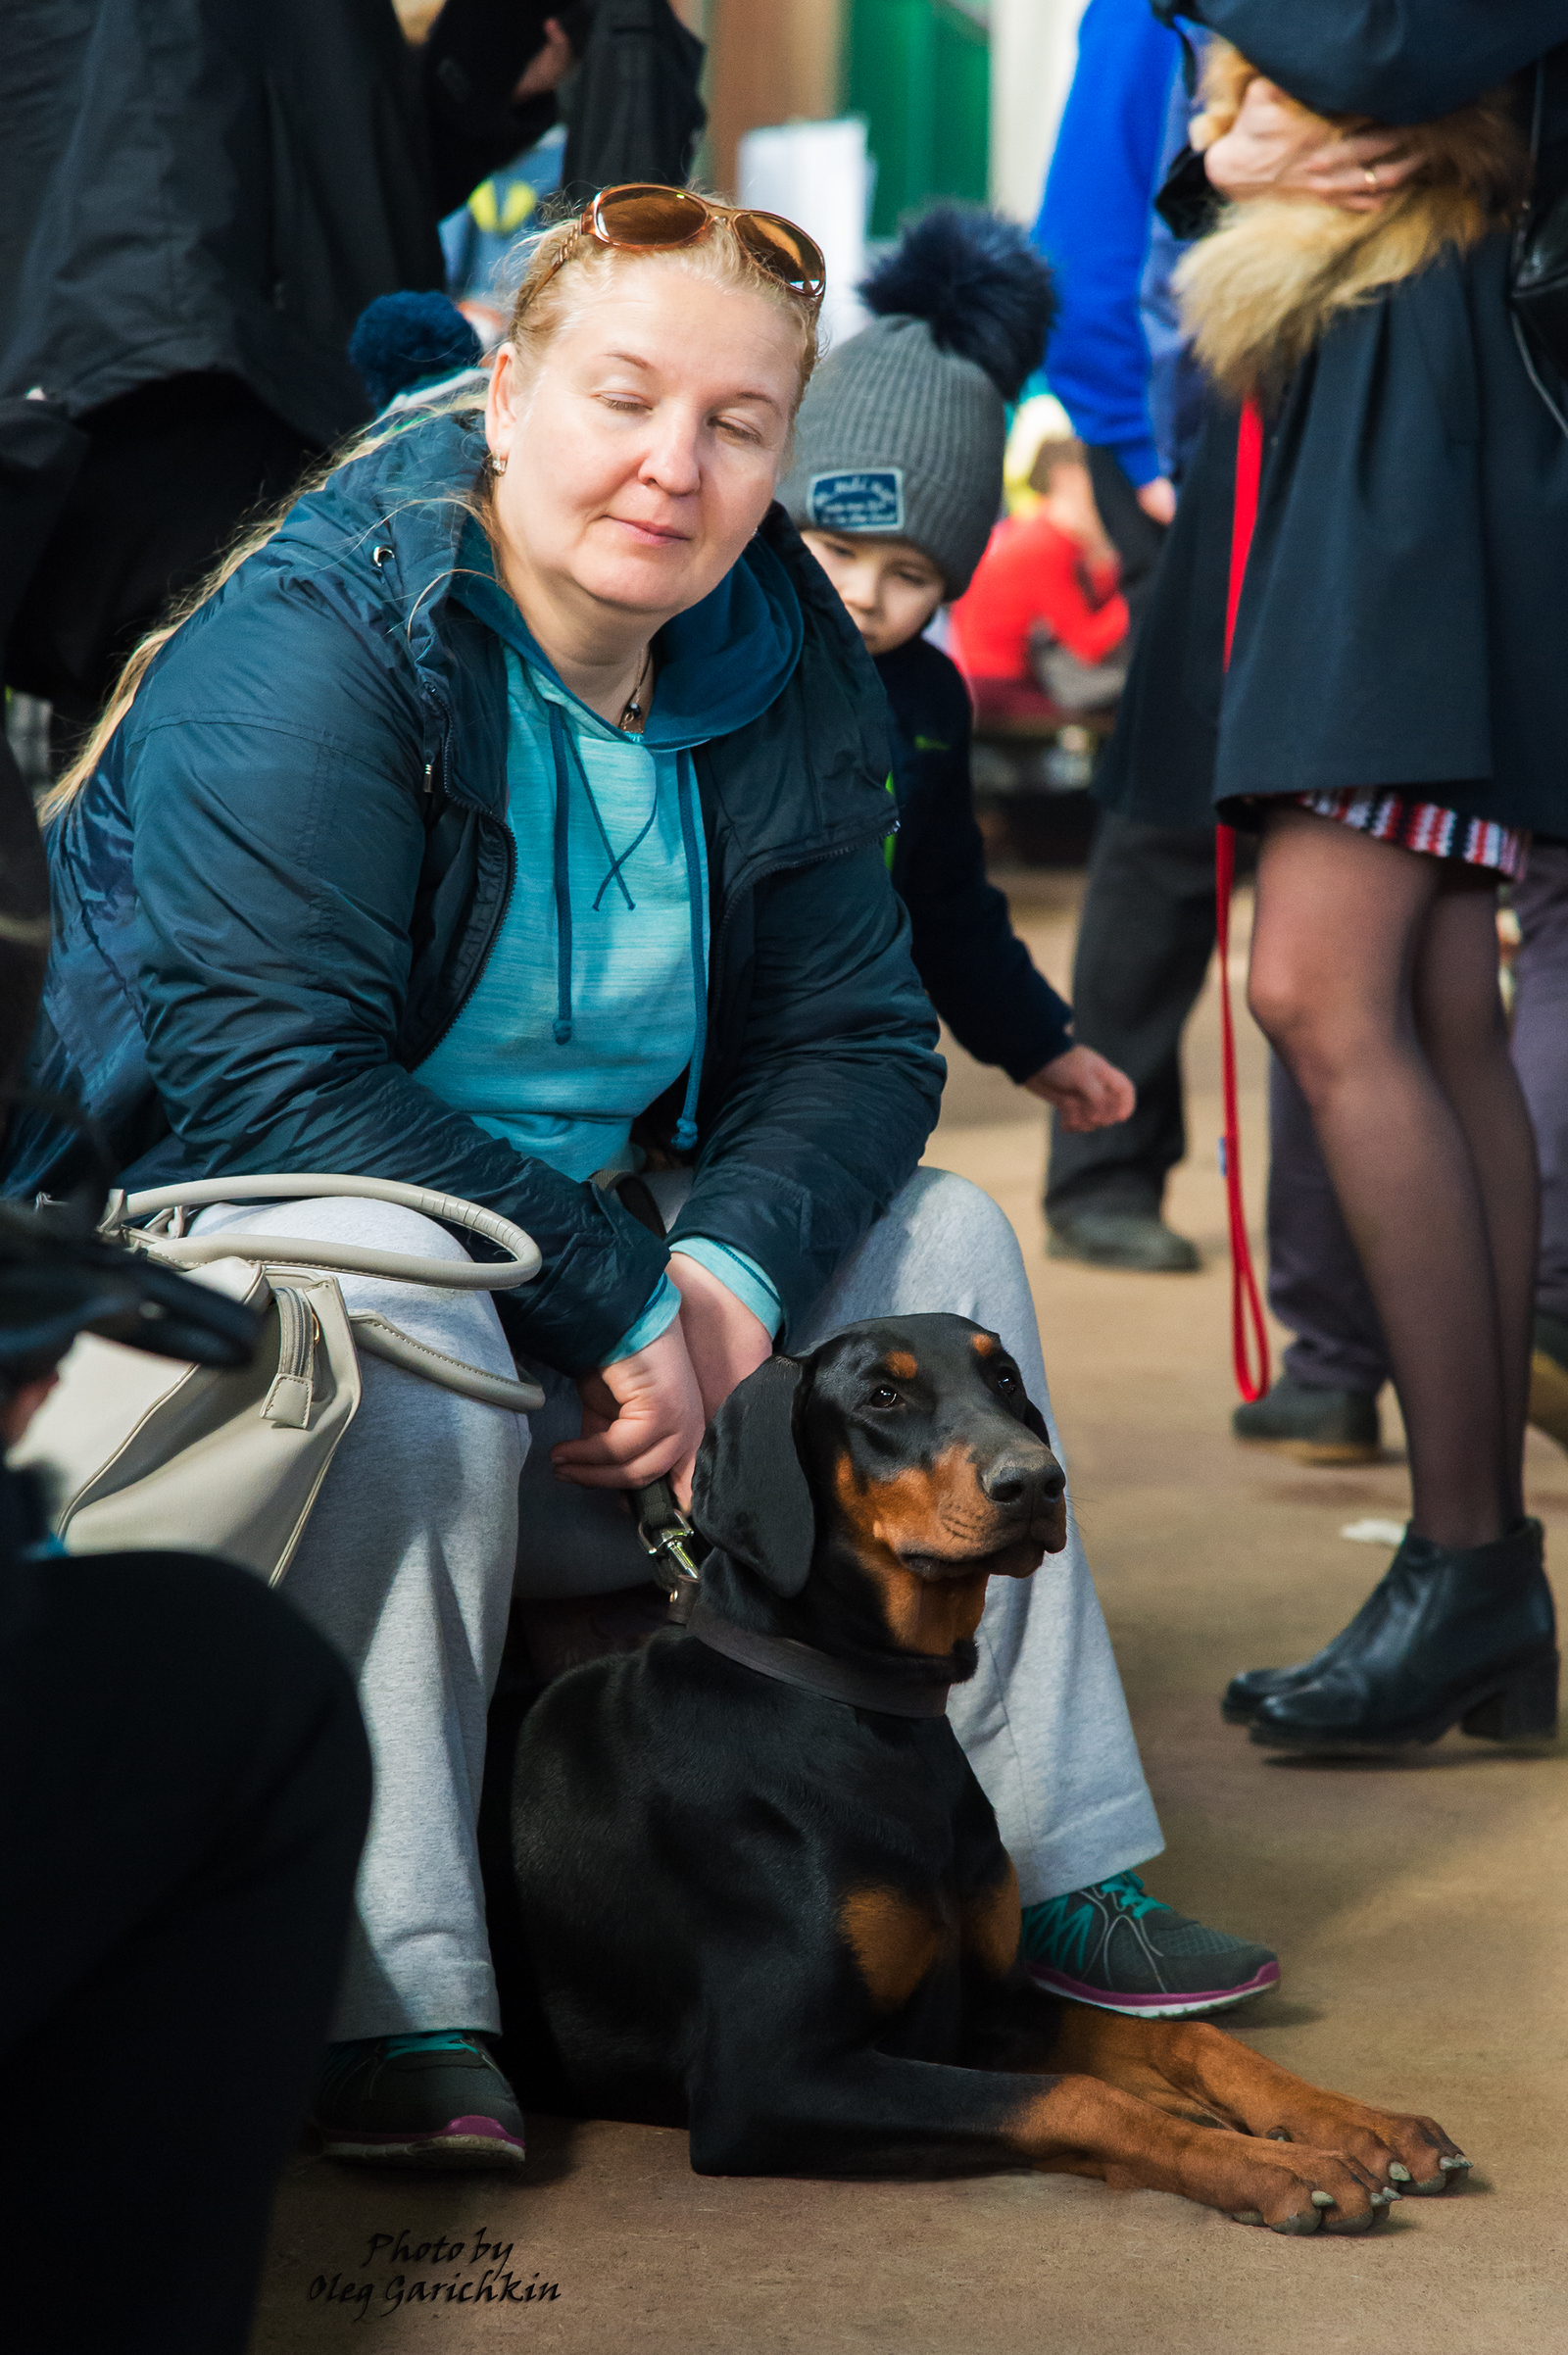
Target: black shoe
column 1133, row 1239
column 1314, row 1426
column 430, row 2101
column 1548, row 1379
column 1447, row 1635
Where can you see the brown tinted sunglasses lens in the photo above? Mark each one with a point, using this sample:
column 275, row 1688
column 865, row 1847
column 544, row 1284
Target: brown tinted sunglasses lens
column 647, row 215
column 779, row 247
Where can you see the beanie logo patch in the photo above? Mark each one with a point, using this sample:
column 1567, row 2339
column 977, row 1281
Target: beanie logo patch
column 866, row 499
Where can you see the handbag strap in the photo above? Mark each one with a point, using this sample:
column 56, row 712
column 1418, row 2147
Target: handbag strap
column 374, row 1333
column 124, row 1211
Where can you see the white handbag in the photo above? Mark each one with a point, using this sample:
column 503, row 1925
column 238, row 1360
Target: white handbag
column 143, row 1452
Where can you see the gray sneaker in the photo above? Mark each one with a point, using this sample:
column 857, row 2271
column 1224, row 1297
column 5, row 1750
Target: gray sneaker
column 435, row 2101
column 1133, row 1239
column 1122, row 1950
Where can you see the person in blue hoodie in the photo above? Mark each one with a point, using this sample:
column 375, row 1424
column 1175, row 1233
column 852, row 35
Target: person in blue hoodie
column 509, row 819
column 895, row 484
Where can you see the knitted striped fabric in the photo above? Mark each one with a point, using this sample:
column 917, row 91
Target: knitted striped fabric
column 1425, row 826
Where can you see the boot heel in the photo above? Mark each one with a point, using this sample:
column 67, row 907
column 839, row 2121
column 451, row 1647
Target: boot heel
column 1524, row 1709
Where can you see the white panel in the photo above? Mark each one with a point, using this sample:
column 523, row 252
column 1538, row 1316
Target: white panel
column 1034, row 48
column 818, row 175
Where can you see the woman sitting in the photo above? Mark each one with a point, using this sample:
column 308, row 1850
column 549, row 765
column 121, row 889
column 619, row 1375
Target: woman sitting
column 523, row 789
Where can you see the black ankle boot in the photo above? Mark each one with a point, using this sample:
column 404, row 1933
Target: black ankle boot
column 1447, row 1635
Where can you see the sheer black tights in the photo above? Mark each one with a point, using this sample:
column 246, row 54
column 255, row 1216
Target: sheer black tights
column 1374, row 973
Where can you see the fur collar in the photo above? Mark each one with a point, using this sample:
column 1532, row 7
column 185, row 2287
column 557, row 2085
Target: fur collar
column 1259, row 291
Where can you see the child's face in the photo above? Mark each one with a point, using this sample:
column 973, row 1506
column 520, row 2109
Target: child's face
column 891, row 589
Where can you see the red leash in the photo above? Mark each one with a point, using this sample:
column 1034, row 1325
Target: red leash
column 1246, row 1307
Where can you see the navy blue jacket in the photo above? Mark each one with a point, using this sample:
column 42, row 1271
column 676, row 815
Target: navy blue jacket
column 979, row 975
column 1400, row 618
column 282, row 882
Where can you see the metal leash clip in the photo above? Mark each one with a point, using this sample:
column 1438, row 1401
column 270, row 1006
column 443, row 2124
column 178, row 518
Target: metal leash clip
column 668, row 1539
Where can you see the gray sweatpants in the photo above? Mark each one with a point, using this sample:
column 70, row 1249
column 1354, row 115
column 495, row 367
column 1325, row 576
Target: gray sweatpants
column 414, row 1550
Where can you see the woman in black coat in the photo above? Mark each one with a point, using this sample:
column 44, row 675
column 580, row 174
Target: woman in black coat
column 1394, row 720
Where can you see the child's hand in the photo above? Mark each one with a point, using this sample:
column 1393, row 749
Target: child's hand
column 1087, row 1091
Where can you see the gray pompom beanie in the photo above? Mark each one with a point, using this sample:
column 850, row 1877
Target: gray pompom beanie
column 903, row 440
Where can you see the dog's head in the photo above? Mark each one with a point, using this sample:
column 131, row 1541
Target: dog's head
column 897, row 1468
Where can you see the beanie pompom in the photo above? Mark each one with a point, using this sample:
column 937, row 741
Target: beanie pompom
column 979, row 284
column 401, row 338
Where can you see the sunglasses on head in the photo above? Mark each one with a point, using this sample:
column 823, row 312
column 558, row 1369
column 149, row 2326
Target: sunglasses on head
column 642, row 217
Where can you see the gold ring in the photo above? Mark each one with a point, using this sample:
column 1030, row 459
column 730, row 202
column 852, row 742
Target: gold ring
column 1369, row 172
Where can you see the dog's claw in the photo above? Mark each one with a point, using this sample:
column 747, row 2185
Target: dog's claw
column 1457, row 2161
column 1306, row 2219
column 1398, row 2172
column 1322, row 2199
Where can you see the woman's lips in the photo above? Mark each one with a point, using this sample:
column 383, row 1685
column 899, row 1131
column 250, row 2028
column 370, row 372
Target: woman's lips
column 652, row 535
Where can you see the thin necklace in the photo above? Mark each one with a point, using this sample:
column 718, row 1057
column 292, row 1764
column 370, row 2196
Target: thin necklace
column 631, row 718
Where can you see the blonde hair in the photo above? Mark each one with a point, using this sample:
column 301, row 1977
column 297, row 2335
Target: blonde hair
column 562, row 269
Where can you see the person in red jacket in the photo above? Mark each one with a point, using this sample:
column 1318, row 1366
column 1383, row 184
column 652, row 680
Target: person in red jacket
column 1045, row 605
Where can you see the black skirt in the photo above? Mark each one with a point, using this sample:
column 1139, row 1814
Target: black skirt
column 1404, row 616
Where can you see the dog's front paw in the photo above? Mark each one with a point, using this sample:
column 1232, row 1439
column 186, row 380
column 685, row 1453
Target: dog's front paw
column 1289, row 2187
column 1408, row 2154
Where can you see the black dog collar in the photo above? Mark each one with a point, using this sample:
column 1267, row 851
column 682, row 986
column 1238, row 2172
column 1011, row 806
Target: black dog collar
column 815, row 1671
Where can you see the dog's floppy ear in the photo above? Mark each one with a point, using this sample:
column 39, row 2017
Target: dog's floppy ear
column 748, row 1494
column 1033, row 1420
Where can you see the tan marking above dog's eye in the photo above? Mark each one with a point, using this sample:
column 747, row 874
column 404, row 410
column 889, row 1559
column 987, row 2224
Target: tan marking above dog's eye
column 984, row 1345
column 900, row 1362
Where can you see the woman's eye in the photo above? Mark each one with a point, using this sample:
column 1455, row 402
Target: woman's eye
column 884, row 1394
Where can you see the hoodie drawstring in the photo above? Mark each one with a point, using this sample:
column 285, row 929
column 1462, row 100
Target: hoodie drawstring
column 561, row 1025
column 564, row 754
column 686, row 1126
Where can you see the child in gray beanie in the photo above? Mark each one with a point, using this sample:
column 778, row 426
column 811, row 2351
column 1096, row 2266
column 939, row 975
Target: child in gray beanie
column 895, row 485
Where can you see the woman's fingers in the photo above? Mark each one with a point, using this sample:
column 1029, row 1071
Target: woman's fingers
column 642, row 1419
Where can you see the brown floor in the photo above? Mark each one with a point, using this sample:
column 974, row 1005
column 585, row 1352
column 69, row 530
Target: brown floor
column 1418, row 1911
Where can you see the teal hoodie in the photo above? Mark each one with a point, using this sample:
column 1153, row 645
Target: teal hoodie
column 593, row 999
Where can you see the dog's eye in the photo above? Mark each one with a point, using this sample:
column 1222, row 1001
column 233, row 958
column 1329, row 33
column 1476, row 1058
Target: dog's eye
column 1007, row 1382
column 884, row 1394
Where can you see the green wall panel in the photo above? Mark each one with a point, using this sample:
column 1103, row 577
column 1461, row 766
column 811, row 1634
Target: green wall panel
column 919, row 72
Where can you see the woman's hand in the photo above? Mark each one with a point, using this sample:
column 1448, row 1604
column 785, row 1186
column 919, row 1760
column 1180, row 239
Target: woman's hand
column 641, row 1417
column 1273, row 149
column 725, row 1342
column 547, row 68
column 1087, row 1091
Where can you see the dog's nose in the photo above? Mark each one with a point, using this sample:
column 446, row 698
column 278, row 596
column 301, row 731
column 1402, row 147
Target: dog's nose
column 1010, row 1477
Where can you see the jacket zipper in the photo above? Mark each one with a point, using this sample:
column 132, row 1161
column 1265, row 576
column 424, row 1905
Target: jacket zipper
column 777, row 867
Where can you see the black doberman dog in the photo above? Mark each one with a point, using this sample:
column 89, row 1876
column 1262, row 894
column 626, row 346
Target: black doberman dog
column 754, row 1887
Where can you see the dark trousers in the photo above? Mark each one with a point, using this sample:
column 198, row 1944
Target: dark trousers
column 1541, row 1052
column 170, row 472
column 187, row 1786
column 1145, row 940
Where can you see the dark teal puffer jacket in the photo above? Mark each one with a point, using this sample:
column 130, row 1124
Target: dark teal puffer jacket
column 284, row 880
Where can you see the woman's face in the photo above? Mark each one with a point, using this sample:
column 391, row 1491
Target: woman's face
column 643, row 448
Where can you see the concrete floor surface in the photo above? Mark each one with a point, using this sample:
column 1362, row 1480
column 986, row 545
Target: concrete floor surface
column 1418, row 1909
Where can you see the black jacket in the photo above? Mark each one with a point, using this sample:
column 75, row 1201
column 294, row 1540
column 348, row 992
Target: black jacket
column 1402, row 620
column 280, row 886
column 977, row 972
column 225, row 185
